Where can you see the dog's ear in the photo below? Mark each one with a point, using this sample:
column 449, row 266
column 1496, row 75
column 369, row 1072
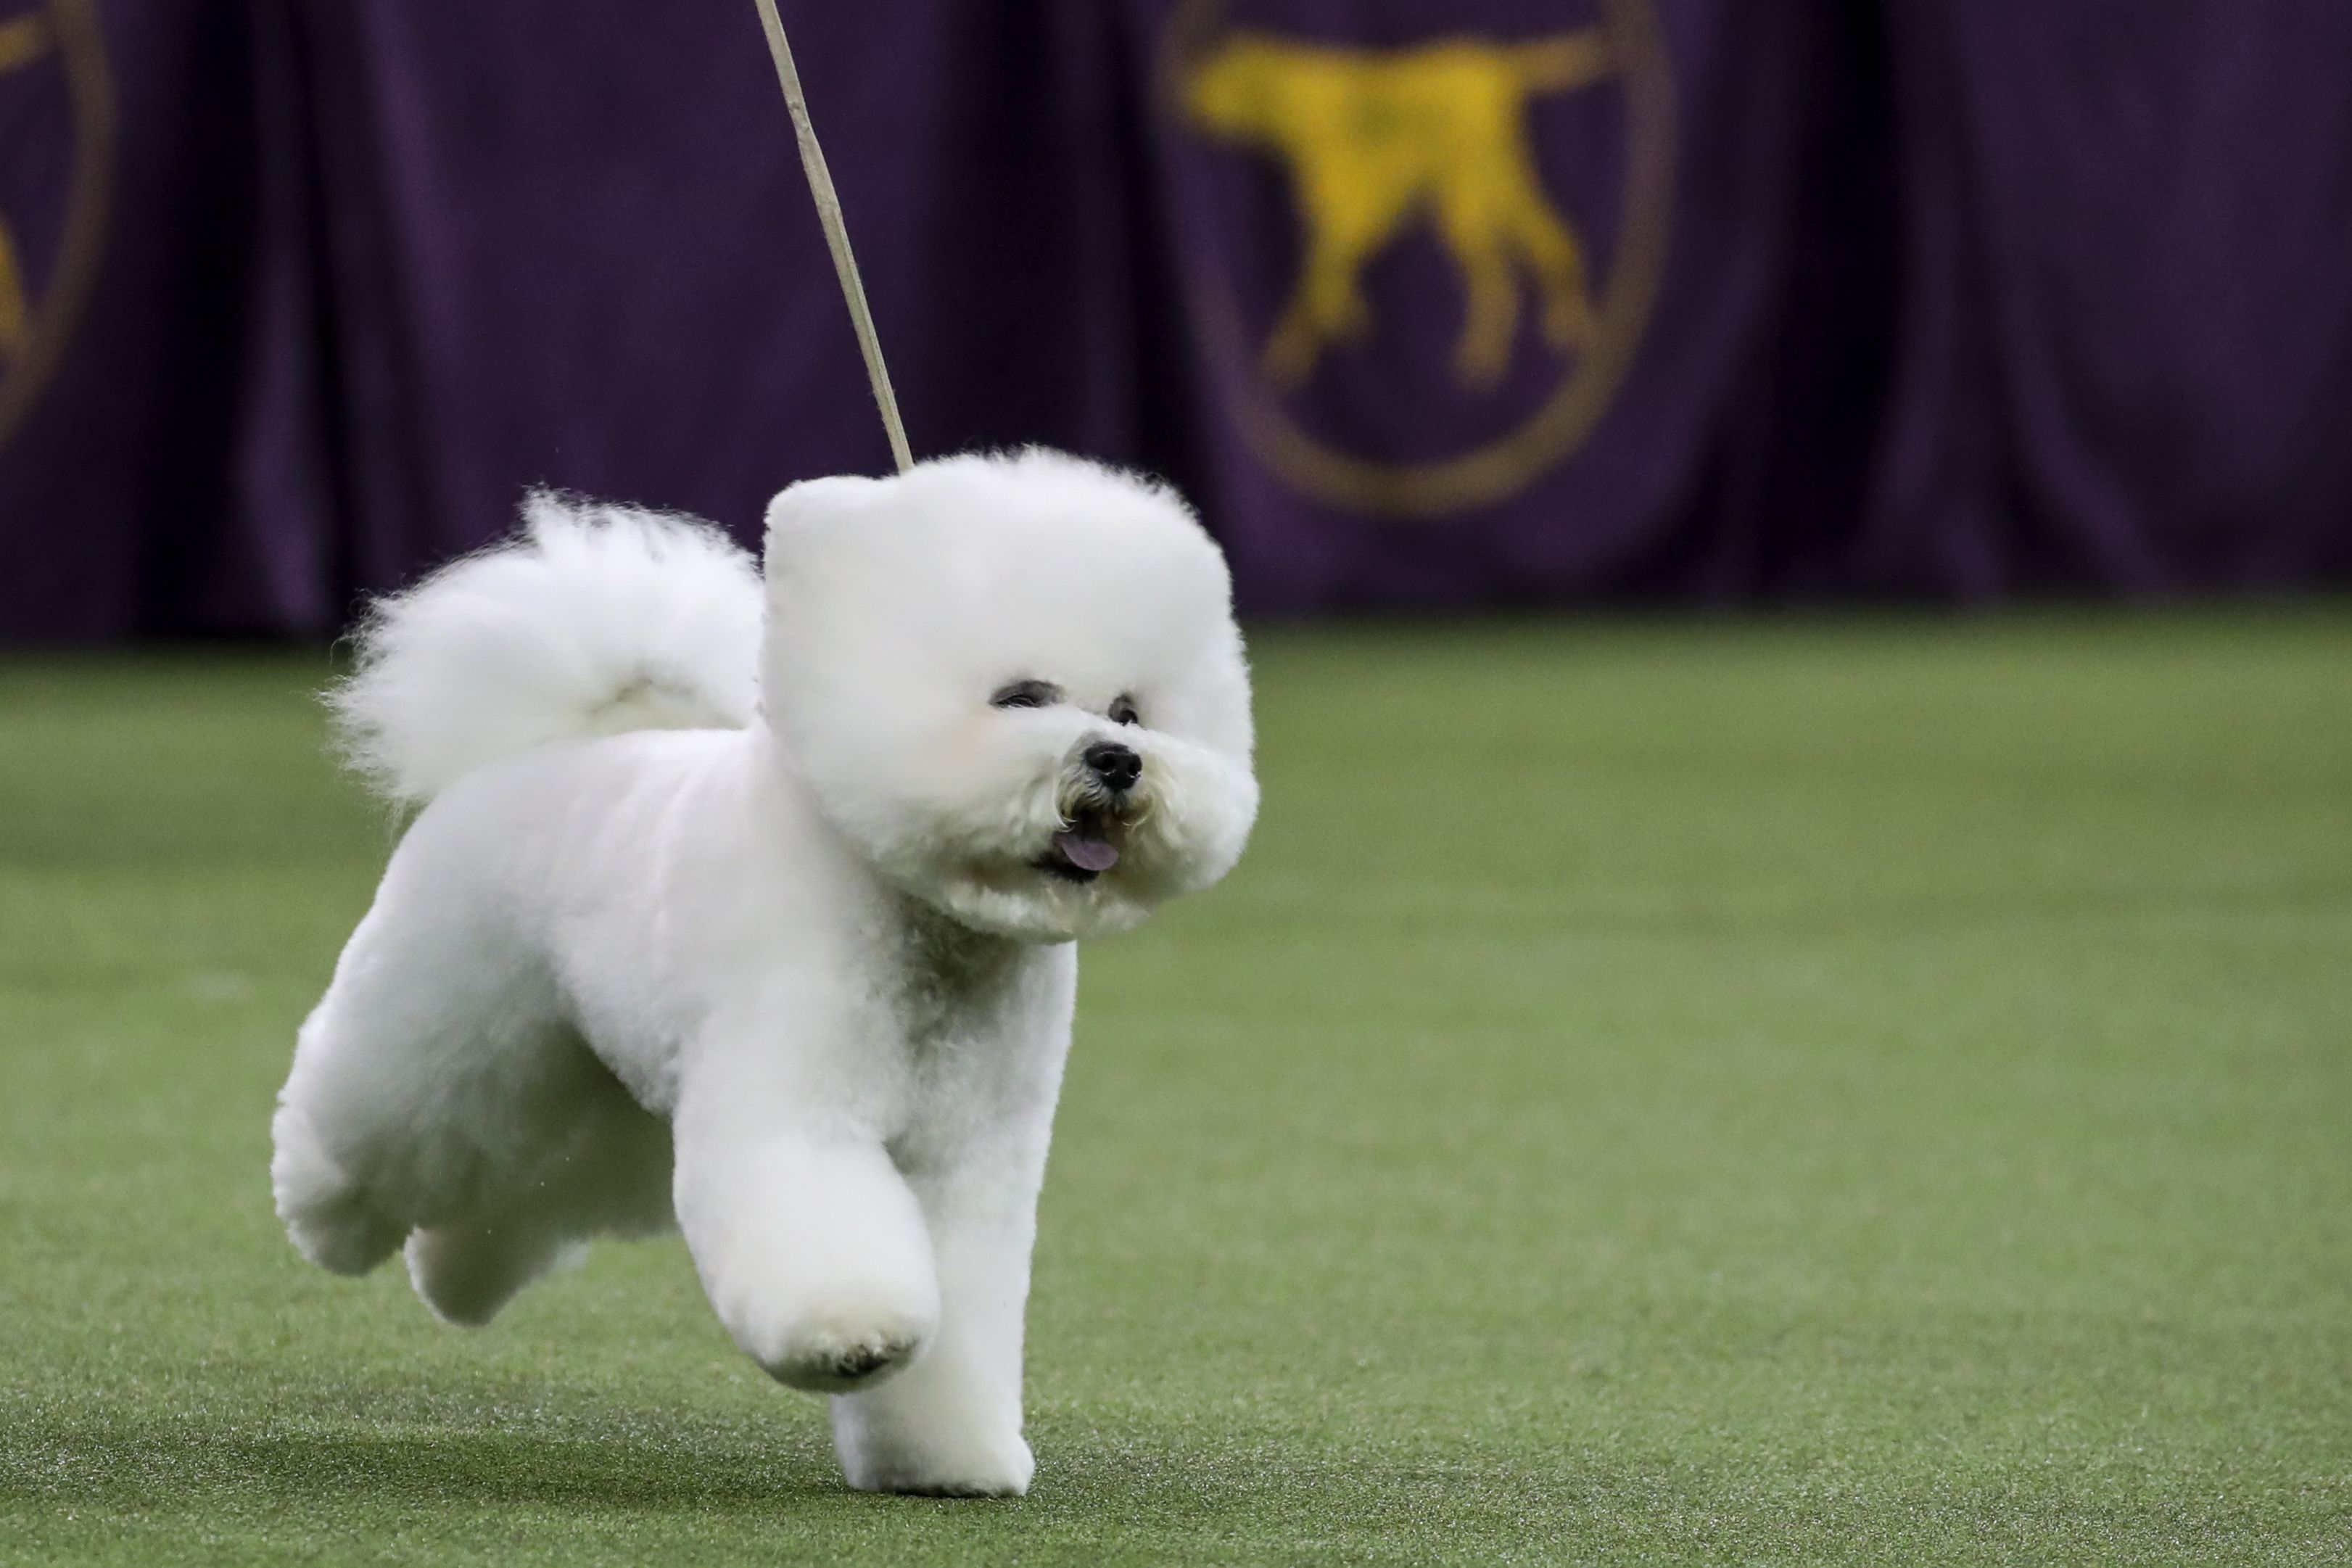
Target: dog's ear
column 804, row 515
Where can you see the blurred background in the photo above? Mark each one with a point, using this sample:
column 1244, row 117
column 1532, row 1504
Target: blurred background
column 1453, row 305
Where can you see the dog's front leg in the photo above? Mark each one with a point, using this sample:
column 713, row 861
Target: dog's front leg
column 810, row 1244
column 951, row 1425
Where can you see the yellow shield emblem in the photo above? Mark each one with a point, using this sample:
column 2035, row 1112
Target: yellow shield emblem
column 1377, row 145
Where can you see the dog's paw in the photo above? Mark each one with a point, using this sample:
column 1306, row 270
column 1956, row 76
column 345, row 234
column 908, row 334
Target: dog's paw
column 1000, row 1469
column 838, row 1355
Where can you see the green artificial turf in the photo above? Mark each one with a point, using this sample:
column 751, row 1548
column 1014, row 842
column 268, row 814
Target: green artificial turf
column 1850, row 1092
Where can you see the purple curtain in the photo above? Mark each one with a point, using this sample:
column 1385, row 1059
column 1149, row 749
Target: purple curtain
column 1472, row 304
column 2126, row 354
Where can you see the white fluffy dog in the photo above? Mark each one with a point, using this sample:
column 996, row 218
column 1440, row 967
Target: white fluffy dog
column 752, row 912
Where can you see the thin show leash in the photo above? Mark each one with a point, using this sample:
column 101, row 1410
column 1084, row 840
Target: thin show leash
column 836, row 234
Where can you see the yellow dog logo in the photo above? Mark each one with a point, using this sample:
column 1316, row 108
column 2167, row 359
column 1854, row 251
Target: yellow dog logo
column 1376, row 137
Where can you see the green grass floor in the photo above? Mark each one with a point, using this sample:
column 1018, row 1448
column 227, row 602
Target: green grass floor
column 1814, row 1092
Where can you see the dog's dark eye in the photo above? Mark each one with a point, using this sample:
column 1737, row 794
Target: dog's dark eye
column 1122, row 711
column 1027, row 694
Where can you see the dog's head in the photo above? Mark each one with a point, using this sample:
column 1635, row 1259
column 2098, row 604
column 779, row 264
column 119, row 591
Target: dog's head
column 1013, row 684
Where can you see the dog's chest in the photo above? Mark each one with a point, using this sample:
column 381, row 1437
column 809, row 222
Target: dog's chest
column 977, row 1027
column 950, row 988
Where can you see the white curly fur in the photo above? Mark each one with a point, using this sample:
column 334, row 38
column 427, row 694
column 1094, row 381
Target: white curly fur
column 598, row 619
column 799, row 981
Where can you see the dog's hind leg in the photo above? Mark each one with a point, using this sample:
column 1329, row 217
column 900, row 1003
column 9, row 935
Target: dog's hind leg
column 466, row 1271
column 434, row 1077
column 327, row 1214
column 611, row 1173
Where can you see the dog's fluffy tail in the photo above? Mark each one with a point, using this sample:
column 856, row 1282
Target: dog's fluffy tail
column 593, row 620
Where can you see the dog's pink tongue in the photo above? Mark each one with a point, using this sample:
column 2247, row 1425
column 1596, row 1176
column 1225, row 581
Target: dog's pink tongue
column 1086, row 854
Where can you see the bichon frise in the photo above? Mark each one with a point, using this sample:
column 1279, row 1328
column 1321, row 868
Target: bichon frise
column 753, row 911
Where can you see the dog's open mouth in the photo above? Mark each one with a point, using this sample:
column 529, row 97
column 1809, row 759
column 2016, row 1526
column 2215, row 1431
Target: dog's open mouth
column 1082, row 851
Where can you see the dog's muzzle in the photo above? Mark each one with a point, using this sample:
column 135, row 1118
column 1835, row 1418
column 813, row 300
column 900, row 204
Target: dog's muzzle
column 1097, row 811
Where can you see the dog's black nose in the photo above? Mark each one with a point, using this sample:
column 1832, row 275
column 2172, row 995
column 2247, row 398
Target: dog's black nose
column 1116, row 765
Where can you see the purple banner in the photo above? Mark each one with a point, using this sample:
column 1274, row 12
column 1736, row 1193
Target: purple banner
column 1472, row 288
column 1485, row 303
